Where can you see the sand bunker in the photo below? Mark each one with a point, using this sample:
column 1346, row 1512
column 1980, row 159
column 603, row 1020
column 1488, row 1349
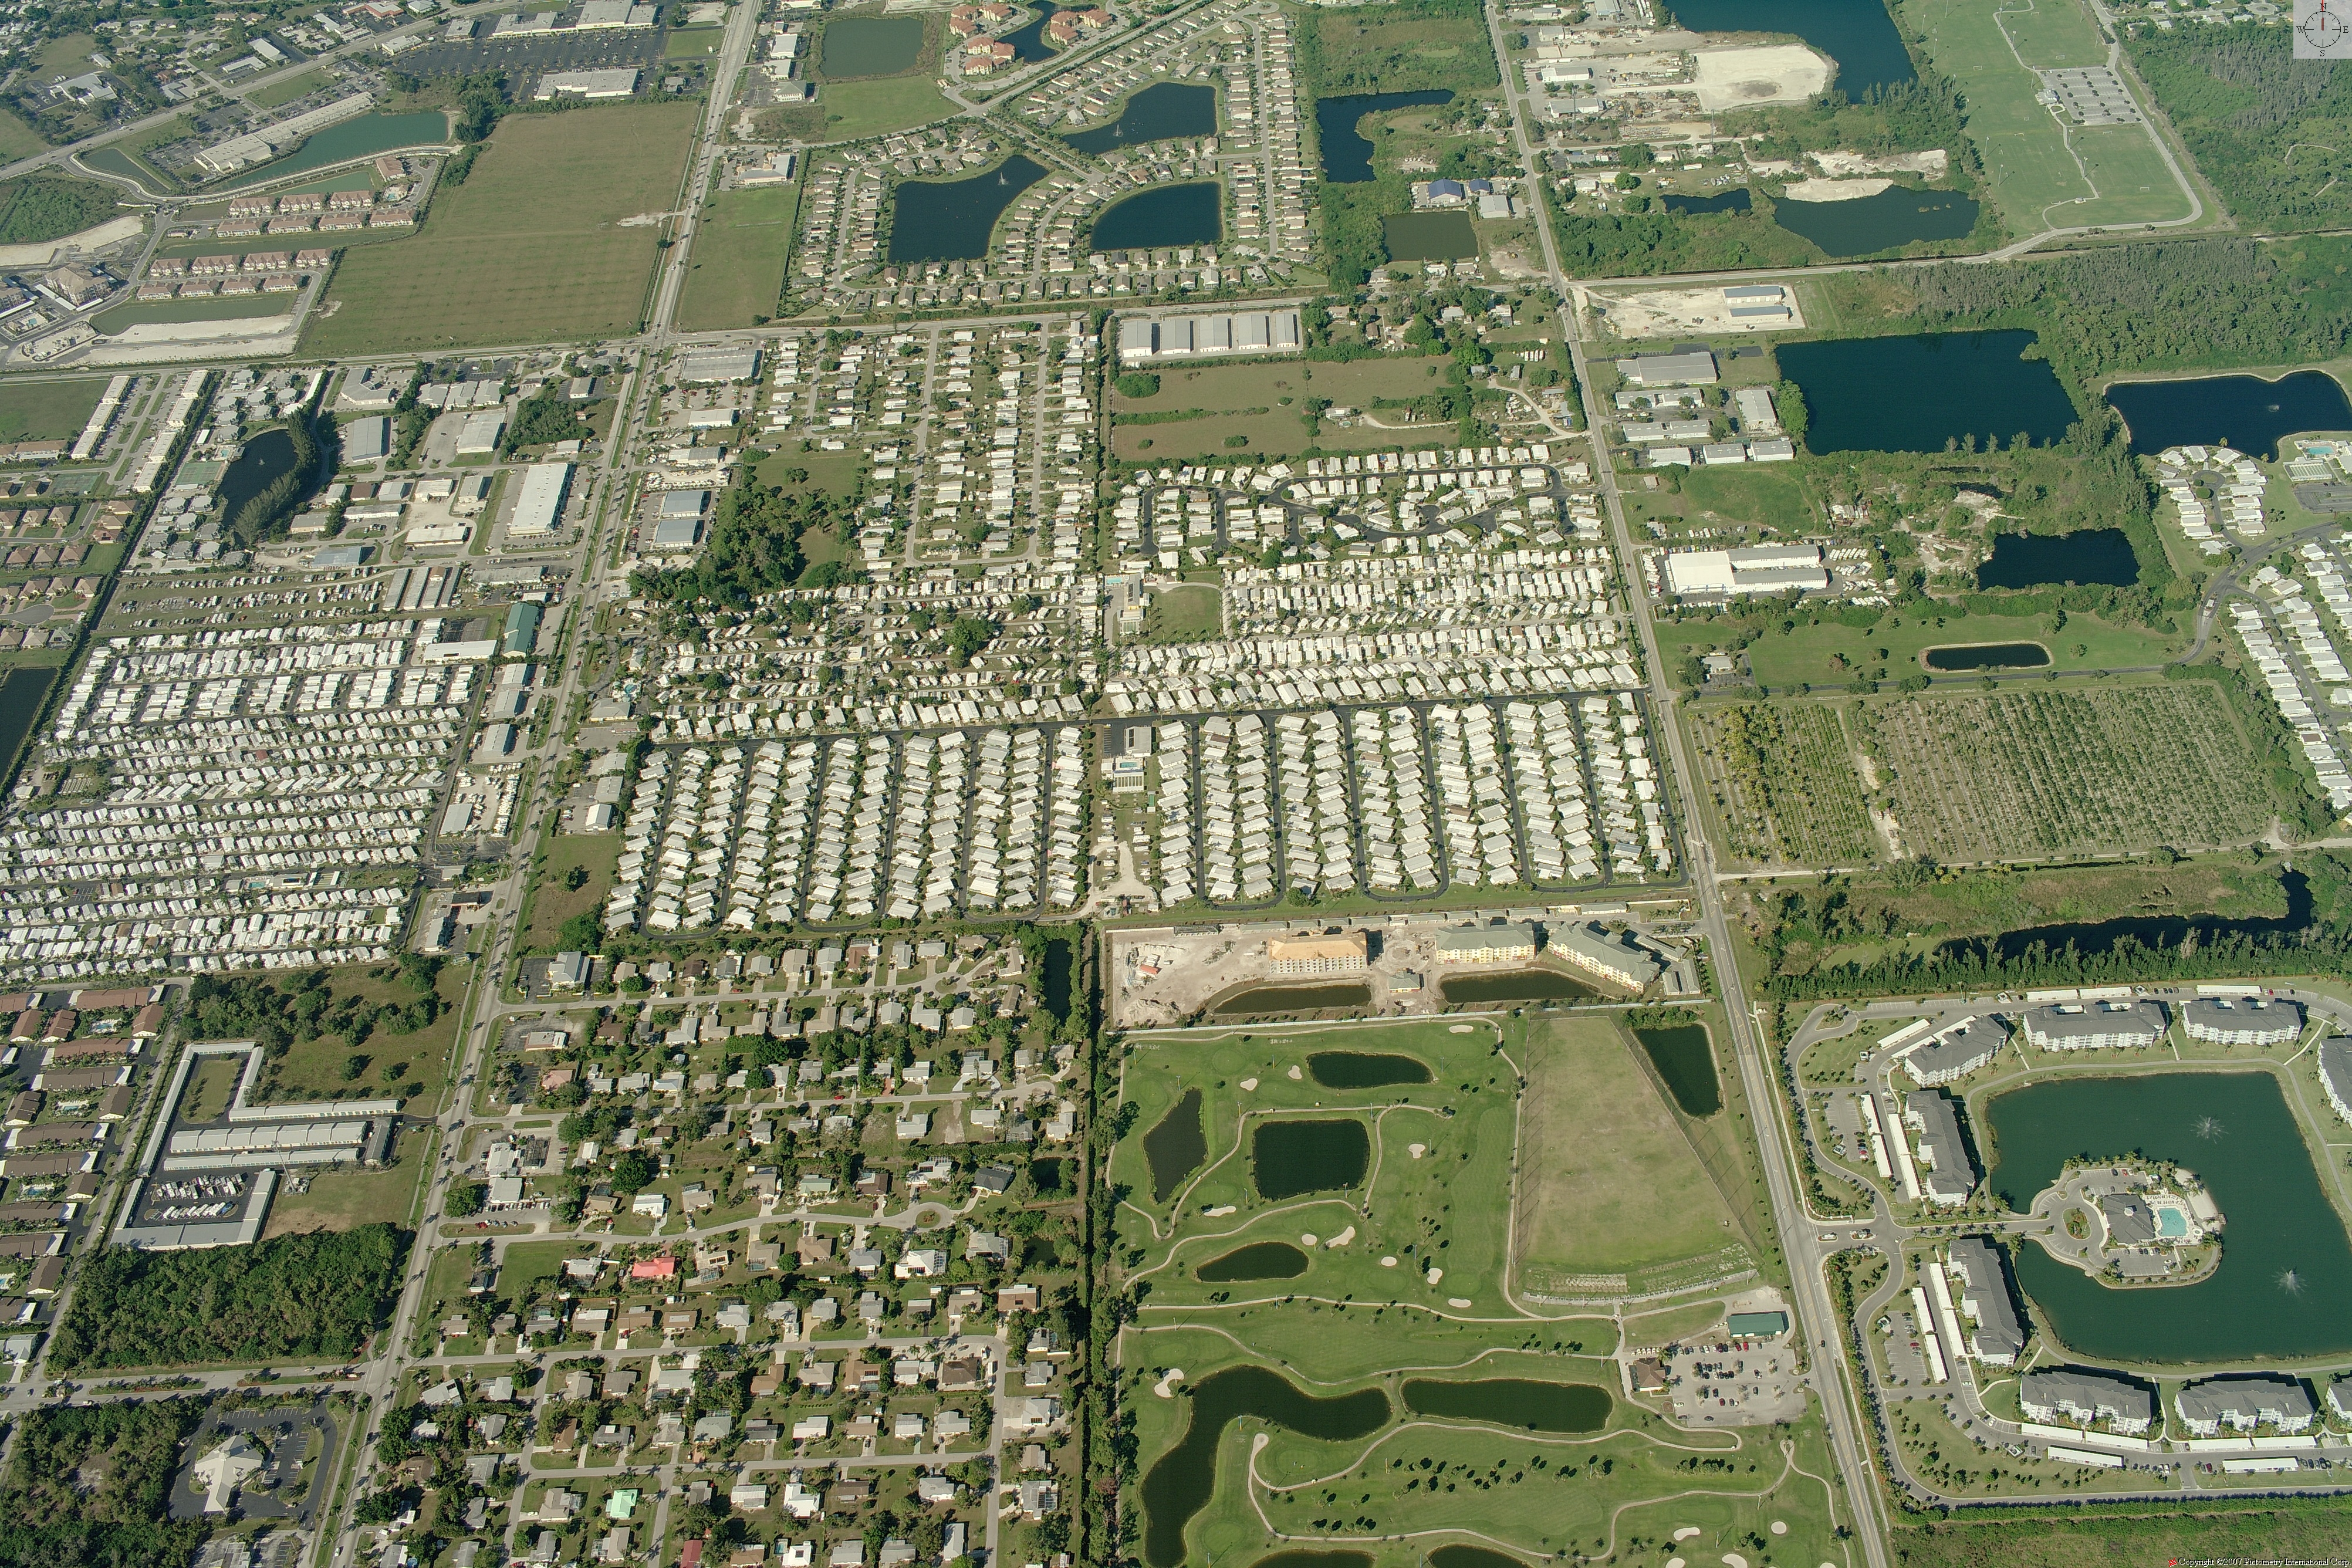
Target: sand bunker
column 1342, row 1239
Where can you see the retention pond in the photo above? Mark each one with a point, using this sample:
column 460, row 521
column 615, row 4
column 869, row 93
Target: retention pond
column 1181, row 1481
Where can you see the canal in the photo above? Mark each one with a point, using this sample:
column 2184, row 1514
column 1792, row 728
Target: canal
column 22, row 691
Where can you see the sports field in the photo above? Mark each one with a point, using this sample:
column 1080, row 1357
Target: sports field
column 737, row 267
column 1394, row 1398
column 530, row 247
column 2045, row 172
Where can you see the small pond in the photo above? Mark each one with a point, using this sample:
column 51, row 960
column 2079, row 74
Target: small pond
column 362, row 138
column 1519, row 1402
column 1429, row 236
column 1028, row 40
column 869, row 46
column 1864, row 226
column 1685, row 1059
column 951, row 220
column 1954, row 388
column 2242, row 411
column 1513, row 985
column 1260, row 999
column 1364, row 1069
column 1988, row 656
column 1859, row 35
column 1160, row 112
column 1061, row 960
column 1347, row 155
column 22, row 690
column 1728, row 202
column 264, row 459
column 1175, row 1148
column 1328, row 1154
column 2088, row 555
column 1181, row 1480
column 1259, row 1260
column 1163, row 218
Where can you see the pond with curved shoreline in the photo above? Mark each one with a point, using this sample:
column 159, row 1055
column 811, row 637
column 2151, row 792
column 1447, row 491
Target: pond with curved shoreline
column 1365, row 1069
column 1162, row 218
column 951, row 220
column 1175, row 1146
column 1326, row 1154
column 1684, row 1058
column 1160, row 112
column 1526, row 1403
column 2242, row 411
column 1258, row 1260
column 1347, row 155
column 1181, row 1480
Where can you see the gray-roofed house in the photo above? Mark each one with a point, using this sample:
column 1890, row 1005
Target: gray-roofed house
column 2075, row 1026
column 2335, row 1073
column 2082, row 1397
column 2242, row 1020
column 1951, row 1175
column 1957, row 1051
column 1984, row 1295
column 2242, row 1403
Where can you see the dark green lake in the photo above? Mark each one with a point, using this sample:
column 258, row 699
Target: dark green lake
column 1258, row 1260
column 1292, row 1158
column 1296, row 999
column 1028, row 40
column 263, row 461
column 1512, row 1402
column 1061, row 961
column 1728, row 202
column 951, row 220
column 1364, row 1069
column 2102, row 555
column 1429, row 236
column 1988, row 656
column 1517, row 985
column 869, row 46
column 1161, row 220
column 22, row 691
column 1160, row 112
column 1952, row 387
column 362, row 138
column 1471, row 1557
column 1858, row 34
column 1181, row 1480
column 2242, row 411
column 1347, row 155
column 1308, row 1559
column 1685, row 1059
column 2287, row 1265
column 1887, row 221
column 1175, row 1148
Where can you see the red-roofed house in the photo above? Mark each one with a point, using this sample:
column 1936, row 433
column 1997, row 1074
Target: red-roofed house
column 662, row 1267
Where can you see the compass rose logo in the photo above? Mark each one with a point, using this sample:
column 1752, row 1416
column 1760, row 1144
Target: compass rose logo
column 2323, row 29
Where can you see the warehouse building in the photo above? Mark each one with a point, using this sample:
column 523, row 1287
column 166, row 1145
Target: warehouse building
column 705, row 366
column 1773, row 569
column 592, row 85
column 540, row 503
column 2080, row 1396
column 676, row 533
column 1957, row 1051
column 479, row 435
column 2242, row 1020
column 1984, row 1295
column 1142, row 339
column 1349, row 952
column 365, row 440
column 2243, row 1404
column 2094, row 1026
column 1690, row 366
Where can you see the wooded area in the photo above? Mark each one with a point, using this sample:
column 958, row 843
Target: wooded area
column 89, row 1484
column 2270, row 133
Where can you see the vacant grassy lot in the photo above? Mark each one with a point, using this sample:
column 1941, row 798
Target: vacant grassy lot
column 18, row 139
column 1609, row 1183
column 1191, row 613
column 553, row 901
column 2067, row 771
column 46, row 410
column 237, row 307
column 394, row 1062
column 1399, row 49
column 1772, row 495
column 854, row 109
column 2030, row 159
column 1261, row 403
column 210, row 1084
column 1781, row 783
column 736, row 272
column 528, row 247
column 1830, row 654
column 344, row 1200
column 288, row 90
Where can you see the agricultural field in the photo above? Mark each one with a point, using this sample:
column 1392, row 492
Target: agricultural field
column 2044, row 173
column 46, row 410
column 530, row 247
column 736, row 273
column 2061, row 772
column 1783, row 783
column 1353, row 1299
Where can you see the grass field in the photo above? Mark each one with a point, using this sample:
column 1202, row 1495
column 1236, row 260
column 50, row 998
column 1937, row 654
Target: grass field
column 2044, row 174
column 693, row 43
column 855, row 109
column 1403, row 48
column 552, row 904
column 737, row 271
column 345, row 1200
column 528, row 247
column 421, row 1059
column 1410, row 1485
column 288, row 90
column 210, row 1085
column 18, row 138
column 1262, row 403
column 1781, row 782
column 1191, row 613
column 237, row 307
column 1828, row 654
column 1610, row 1184
column 46, row 410
column 2050, row 771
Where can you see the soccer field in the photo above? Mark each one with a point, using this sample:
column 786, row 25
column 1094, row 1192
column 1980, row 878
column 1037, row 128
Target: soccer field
column 530, row 247
column 2045, row 173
